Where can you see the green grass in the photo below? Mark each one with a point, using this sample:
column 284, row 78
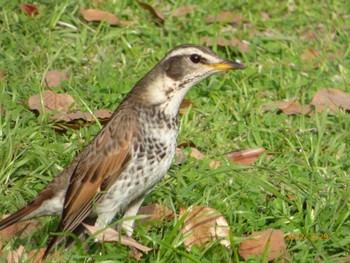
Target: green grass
column 310, row 153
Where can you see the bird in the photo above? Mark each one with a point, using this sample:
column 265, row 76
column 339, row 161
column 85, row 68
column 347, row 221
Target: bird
column 130, row 154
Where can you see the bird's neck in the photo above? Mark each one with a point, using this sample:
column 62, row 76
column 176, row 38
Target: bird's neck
column 162, row 92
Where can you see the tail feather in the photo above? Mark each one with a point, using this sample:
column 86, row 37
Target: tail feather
column 20, row 215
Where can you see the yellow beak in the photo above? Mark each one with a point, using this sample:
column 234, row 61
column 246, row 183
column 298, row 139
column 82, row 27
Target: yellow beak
column 227, row 65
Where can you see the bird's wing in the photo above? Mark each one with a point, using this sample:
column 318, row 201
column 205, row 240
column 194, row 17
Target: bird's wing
column 99, row 166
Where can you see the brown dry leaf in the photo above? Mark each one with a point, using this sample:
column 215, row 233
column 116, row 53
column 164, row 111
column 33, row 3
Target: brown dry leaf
column 309, row 34
column 214, row 164
column 223, row 42
column 36, row 256
column 86, row 116
column 184, row 10
column 103, row 114
column 202, row 225
column 310, row 55
column 185, row 104
column 293, row 107
column 16, row 256
column 271, row 106
column 158, row 16
column 265, row 15
column 54, row 78
column 197, row 154
column 340, row 260
column 257, row 243
column 2, row 74
column 247, row 157
column 157, row 212
column 2, row 111
column 23, row 227
column 288, row 107
column 94, row 15
column 180, row 156
column 111, row 235
column 30, row 10
column 224, row 17
column 291, row 197
column 331, row 98
column 52, row 102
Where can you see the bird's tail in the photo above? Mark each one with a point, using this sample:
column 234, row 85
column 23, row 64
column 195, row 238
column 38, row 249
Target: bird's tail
column 21, row 215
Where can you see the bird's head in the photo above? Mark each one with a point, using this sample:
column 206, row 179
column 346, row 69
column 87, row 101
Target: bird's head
column 189, row 64
column 183, row 67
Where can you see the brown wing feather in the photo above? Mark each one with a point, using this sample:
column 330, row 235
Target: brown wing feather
column 100, row 164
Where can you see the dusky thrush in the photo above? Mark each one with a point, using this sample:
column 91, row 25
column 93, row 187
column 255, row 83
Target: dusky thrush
column 131, row 153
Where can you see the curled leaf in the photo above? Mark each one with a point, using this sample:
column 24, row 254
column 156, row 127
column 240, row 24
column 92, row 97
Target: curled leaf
column 224, row 17
column 86, row 116
column 184, row 10
column 30, row 10
column 257, row 243
column 332, row 99
column 156, row 212
column 247, row 157
column 111, row 235
column 293, row 107
column 158, row 16
column 202, row 225
column 51, row 102
column 94, row 15
column 223, row 42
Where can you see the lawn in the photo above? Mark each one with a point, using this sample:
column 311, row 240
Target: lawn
column 291, row 49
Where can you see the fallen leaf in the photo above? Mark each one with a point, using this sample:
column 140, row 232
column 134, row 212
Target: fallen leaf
column 184, row 10
column 271, row 106
column 111, row 235
column 197, row 154
column 185, row 104
column 265, row 15
column 2, row 110
column 51, row 102
column 158, row 16
column 17, row 255
column 94, row 15
column 257, row 242
column 247, row 157
column 54, row 78
column 224, row 17
column 223, row 42
column 30, row 10
column 36, row 256
column 186, row 144
column 214, row 164
column 310, row 55
column 331, row 98
column 291, row 197
column 2, row 74
column 309, row 34
column 292, row 107
column 86, row 116
column 24, row 227
column 203, row 225
column 156, row 212
column 180, row 156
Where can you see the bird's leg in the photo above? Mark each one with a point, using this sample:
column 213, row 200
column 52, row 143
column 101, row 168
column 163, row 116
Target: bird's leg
column 131, row 211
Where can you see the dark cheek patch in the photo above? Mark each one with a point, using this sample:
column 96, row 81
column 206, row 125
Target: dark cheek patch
column 174, row 68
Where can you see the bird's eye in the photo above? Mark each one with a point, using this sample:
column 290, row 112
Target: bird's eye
column 195, row 58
